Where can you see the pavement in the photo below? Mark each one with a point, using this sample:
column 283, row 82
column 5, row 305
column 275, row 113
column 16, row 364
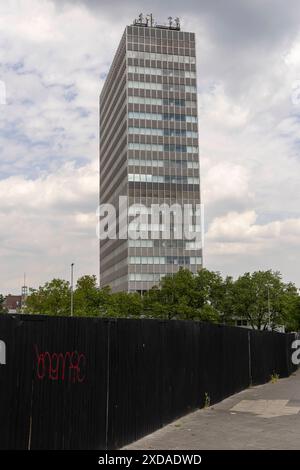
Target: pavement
column 262, row 417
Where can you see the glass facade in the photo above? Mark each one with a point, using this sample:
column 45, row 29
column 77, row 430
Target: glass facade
column 149, row 149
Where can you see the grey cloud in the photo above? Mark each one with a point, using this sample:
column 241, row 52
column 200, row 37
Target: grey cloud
column 246, row 35
column 234, row 22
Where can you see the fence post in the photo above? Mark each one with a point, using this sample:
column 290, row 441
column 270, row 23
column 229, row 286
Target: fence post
column 249, row 354
column 107, row 384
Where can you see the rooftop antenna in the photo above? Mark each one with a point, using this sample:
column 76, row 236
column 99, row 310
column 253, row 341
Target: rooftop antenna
column 141, row 18
column 150, row 16
column 24, row 287
column 24, row 294
column 170, row 21
column 177, row 22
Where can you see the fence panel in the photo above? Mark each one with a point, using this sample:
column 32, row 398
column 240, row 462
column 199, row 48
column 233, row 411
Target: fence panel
column 224, row 362
column 181, row 370
column 270, row 354
column 55, row 383
column 135, row 380
column 92, row 383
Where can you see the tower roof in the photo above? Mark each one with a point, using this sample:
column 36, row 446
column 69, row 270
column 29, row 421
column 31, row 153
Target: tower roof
column 148, row 21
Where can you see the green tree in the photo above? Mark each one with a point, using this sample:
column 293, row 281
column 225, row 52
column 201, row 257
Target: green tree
column 51, row 299
column 290, row 307
column 264, row 300
column 153, row 307
column 126, row 305
column 186, row 296
column 89, row 300
column 173, row 299
column 210, row 295
column 2, row 308
column 260, row 298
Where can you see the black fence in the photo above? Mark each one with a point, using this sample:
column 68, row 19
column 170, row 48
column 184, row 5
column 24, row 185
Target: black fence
column 84, row 383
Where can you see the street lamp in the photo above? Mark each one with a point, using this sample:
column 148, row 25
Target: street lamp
column 72, row 292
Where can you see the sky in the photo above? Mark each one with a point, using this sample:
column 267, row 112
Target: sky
column 54, row 57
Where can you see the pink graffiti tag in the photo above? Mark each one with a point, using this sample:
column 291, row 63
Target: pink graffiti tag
column 69, row 366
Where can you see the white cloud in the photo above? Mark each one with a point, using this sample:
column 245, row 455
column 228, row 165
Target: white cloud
column 242, row 227
column 224, row 181
column 256, row 245
column 48, row 223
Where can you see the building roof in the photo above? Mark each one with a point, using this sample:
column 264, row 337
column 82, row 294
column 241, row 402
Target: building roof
column 13, row 302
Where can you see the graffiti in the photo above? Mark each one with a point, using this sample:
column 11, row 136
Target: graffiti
column 61, row 367
column 2, row 353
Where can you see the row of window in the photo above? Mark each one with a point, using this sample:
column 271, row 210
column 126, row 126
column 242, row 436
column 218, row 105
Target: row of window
column 179, row 260
column 164, row 163
column 161, row 72
column 162, row 117
column 163, row 132
column 138, row 178
column 166, row 229
column 165, row 47
column 165, row 244
column 157, row 33
column 161, row 102
column 156, row 56
column 162, row 87
column 146, row 277
column 162, row 147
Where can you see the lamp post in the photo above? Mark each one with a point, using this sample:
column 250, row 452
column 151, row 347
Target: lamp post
column 72, row 292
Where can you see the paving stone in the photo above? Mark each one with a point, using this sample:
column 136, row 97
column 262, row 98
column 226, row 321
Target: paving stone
column 263, row 417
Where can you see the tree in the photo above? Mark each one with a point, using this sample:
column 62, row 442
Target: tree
column 51, row 299
column 210, row 294
column 126, row 305
column 290, row 307
column 173, row 297
column 264, row 300
column 186, row 296
column 89, row 300
column 2, row 307
column 54, row 298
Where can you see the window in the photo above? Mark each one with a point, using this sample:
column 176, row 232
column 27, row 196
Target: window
column 163, row 72
column 159, row 86
column 141, row 178
column 159, row 117
column 161, row 57
column 162, row 132
column 177, row 260
column 163, row 163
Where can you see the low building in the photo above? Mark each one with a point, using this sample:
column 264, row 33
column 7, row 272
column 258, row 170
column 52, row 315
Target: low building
column 246, row 324
column 13, row 303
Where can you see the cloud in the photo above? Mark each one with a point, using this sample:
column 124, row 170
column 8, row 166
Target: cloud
column 256, row 245
column 55, row 56
column 242, row 227
column 48, row 223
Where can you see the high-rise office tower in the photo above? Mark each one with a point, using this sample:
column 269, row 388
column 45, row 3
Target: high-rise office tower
column 149, row 149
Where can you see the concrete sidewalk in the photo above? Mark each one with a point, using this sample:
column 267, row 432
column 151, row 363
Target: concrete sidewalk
column 262, row 417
